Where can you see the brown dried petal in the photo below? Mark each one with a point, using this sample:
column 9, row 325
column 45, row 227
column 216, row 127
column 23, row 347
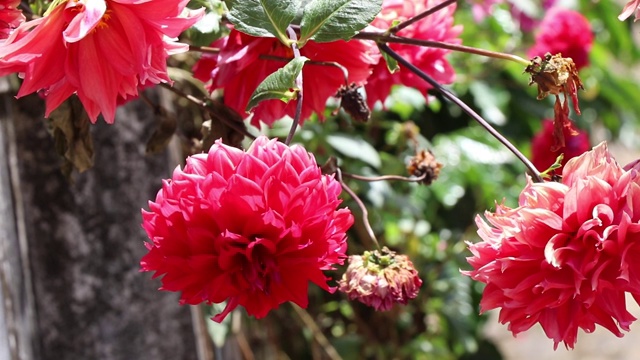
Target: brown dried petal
column 425, row 164
column 353, row 103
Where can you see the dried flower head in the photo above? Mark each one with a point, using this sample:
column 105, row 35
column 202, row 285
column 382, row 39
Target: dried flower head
column 556, row 75
column 353, row 103
column 380, row 279
column 424, row 164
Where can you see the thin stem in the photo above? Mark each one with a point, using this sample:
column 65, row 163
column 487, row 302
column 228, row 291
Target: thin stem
column 424, row 14
column 208, row 109
column 384, row 177
column 204, row 49
column 451, row 97
column 298, row 114
column 363, row 208
column 384, row 38
column 318, row 335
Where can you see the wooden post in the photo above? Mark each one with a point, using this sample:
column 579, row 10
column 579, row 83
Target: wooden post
column 72, row 288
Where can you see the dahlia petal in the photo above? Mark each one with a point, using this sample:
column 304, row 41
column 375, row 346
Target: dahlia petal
column 86, row 47
column 566, row 267
column 85, row 20
column 219, row 232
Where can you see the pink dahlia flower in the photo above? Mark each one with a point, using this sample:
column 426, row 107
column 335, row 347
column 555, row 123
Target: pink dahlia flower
column 250, row 228
column 245, row 61
column 436, row 27
column 10, row 17
column 566, row 32
column 542, row 156
column 564, row 257
column 631, row 7
column 381, row 279
column 101, row 50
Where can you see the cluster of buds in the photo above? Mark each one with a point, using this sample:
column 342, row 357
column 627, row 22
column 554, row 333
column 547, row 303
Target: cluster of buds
column 380, row 279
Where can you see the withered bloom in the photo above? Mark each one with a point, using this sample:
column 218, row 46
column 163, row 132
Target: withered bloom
column 424, row 164
column 353, row 103
column 380, row 279
column 555, row 75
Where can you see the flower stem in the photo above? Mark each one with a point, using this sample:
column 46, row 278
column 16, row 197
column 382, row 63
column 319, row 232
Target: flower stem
column 451, row 97
column 384, row 177
column 204, row 49
column 422, row 15
column 209, row 109
column 296, row 116
column 385, row 38
column 363, row 208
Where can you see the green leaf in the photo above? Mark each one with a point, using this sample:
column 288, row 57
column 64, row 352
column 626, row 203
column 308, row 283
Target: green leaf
column 263, row 18
column 355, row 148
column 279, row 85
column 330, row 20
column 392, row 64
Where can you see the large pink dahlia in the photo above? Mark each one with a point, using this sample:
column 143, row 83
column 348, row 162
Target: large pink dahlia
column 245, row 61
column 252, row 228
column 101, row 50
column 567, row 254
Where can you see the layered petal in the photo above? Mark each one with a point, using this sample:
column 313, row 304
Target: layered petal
column 101, row 50
column 563, row 258
column 245, row 61
column 252, row 228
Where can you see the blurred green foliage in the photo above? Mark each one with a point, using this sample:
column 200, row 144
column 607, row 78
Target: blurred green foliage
column 430, row 224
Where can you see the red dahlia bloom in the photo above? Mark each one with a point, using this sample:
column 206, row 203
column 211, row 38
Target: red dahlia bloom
column 10, row 17
column 567, row 254
column 566, row 32
column 436, row 27
column 252, row 228
column 381, row 279
column 101, row 50
column 542, row 156
column 245, row 61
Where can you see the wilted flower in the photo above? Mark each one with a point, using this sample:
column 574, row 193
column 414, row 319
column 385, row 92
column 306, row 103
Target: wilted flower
column 381, row 279
column 424, row 163
column 542, row 155
column 101, row 50
column 565, row 32
column 567, row 254
column 251, row 228
column 10, row 17
column 245, row 61
column 631, row 7
column 436, row 27
column 352, row 102
column 555, row 75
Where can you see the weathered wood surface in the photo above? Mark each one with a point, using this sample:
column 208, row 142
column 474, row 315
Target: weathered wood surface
column 84, row 245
